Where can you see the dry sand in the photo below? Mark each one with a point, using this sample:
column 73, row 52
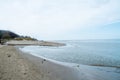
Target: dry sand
column 14, row 67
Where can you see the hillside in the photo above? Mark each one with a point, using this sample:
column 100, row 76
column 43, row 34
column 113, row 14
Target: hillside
column 8, row 35
column 4, row 34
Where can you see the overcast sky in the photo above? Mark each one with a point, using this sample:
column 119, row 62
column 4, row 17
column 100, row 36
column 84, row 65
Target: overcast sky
column 62, row 19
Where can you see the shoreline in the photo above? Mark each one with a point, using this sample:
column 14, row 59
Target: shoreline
column 36, row 43
column 18, row 65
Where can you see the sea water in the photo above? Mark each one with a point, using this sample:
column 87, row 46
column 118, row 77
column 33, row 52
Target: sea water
column 87, row 52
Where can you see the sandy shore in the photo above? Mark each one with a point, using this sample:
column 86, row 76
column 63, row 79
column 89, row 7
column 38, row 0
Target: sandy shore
column 39, row 43
column 15, row 65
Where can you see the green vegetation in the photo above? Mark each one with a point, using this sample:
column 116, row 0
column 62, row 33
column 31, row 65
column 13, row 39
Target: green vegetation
column 25, row 38
column 8, row 35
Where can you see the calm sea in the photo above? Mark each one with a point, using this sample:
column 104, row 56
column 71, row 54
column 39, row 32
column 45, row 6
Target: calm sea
column 88, row 52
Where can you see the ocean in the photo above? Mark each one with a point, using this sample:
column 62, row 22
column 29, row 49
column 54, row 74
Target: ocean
column 90, row 59
column 104, row 53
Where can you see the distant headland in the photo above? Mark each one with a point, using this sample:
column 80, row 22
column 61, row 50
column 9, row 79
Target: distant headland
column 6, row 35
column 11, row 38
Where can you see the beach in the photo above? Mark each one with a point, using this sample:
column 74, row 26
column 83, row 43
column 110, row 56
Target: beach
column 15, row 65
column 37, row 43
column 18, row 65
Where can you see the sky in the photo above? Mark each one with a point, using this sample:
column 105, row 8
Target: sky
column 62, row 19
